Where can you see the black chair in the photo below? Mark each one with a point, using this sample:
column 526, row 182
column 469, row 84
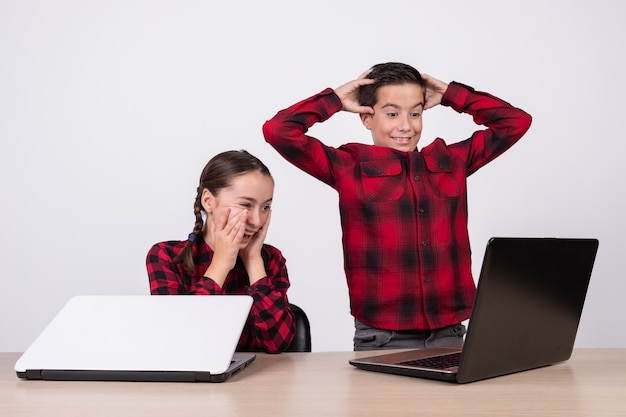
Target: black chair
column 302, row 340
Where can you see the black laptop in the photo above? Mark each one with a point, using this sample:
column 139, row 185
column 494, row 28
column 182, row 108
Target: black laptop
column 526, row 313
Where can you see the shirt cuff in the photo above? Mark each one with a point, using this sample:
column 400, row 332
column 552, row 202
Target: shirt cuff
column 332, row 103
column 209, row 286
column 456, row 96
column 262, row 286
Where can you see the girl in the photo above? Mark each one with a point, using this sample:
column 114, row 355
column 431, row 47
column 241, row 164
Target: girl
column 225, row 253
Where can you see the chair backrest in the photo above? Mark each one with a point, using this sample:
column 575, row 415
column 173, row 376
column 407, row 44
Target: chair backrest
column 302, row 340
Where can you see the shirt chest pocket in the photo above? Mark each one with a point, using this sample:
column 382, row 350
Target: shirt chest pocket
column 382, row 180
column 442, row 179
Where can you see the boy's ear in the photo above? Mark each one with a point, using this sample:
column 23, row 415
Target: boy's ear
column 207, row 200
column 366, row 120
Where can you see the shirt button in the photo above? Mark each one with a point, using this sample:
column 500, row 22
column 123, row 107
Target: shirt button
column 426, row 279
column 417, row 177
column 250, row 290
column 422, row 210
column 381, row 170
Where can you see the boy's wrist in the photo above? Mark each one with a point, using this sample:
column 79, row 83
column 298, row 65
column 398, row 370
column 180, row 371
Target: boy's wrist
column 455, row 95
column 334, row 102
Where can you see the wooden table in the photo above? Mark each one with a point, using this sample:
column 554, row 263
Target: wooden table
column 591, row 383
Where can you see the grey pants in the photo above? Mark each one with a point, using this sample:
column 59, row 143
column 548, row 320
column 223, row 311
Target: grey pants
column 370, row 338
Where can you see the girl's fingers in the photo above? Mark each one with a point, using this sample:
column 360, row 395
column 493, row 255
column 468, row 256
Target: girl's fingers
column 236, row 226
column 223, row 221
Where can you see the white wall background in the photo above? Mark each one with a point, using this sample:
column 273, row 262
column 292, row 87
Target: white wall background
column 110, row 109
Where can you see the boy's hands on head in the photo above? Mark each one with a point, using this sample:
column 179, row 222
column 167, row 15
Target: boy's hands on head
column 435, row 90
column 349, row 94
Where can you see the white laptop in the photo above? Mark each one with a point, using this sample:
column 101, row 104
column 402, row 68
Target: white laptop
column 141, row 338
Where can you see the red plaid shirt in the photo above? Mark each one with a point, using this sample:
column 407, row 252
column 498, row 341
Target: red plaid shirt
column 403, row 214
column 270, row 326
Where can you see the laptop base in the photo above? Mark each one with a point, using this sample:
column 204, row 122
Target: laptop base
column 393, row 363
column 240, row 361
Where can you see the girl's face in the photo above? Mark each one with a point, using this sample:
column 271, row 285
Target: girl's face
column 251, row 191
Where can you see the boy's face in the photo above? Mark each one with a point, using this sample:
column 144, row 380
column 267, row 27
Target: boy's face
column 397, row 119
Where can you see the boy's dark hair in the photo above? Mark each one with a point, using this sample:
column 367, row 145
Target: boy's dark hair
column 217, row 174
column 388, row 73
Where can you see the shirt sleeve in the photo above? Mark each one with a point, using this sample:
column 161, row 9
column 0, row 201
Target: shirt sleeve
column 167, row 278
column 286, row 132
column 271, row 323
column 505, row 124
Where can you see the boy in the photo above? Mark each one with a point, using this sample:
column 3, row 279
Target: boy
column 403, row 211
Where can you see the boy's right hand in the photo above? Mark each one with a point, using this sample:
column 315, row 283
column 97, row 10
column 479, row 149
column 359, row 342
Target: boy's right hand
column 349, row 94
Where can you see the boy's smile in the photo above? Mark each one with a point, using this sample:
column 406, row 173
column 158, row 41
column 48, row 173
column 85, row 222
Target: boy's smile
column 397, row 119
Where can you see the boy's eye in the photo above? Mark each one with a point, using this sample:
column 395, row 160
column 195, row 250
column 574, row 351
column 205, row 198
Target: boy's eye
column 416, row 114
column 246, row 205
column 392, row 114
column 267, row 208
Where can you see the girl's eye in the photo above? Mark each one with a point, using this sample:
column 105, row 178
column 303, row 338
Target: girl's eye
column 246, row 205
column 267, row 208
column 415, row 115
column 392, row 114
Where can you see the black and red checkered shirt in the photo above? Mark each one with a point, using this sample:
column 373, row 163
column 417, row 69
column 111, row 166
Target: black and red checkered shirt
column 403, row 214
column 270, row 326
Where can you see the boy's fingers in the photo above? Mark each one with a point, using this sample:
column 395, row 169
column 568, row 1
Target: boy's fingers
column 365, row 110
column 350, row 88
column 365, row 81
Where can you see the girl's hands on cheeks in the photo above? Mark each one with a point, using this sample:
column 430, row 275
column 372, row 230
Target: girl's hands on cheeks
column 251, row 254
column 226, row 235
column 253, row 249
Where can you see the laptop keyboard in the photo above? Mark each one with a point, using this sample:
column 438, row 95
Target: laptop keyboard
column 436, row 362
